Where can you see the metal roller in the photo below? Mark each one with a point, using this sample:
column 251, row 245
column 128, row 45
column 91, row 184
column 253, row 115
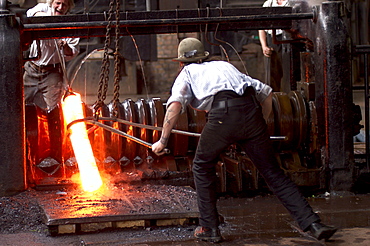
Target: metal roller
column 116, row 148
column 101, row 139
column 156, row 116
column 142, row 111
column 300, row 118
column 283, row 119
column 130, row 150
column 115, row 152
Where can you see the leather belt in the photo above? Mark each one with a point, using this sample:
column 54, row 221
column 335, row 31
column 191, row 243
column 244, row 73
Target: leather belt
column 45, row 67
column 229, row 103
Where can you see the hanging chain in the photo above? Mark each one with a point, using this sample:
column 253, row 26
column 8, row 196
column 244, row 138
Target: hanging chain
column 104, row 71
column 116, row 64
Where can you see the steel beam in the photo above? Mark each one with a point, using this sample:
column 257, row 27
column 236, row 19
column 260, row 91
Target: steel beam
column 156, row 22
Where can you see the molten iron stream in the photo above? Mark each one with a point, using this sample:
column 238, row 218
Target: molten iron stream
column 89, row 173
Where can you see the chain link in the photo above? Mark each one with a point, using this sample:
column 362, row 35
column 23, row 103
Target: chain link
column 104, row 71
column 116, row 64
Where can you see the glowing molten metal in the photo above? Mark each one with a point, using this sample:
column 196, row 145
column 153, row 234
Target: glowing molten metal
column 89, row 173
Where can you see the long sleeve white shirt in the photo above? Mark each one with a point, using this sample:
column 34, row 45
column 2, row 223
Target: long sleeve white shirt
column 197, row 84
column 49, row 50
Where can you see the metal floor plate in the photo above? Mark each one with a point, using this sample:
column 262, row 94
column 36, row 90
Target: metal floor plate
column 121, row 202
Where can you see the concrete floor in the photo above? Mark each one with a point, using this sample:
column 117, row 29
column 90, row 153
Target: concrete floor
column 259, row 221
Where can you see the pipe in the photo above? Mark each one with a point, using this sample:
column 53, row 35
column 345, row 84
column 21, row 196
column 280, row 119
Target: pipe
column 165, row 22
column 148, row 6
column 3, row 5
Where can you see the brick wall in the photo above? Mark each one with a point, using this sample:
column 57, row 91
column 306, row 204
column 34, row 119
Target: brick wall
column 162, row 73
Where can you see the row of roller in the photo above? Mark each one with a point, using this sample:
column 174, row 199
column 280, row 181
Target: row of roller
column 49, row 153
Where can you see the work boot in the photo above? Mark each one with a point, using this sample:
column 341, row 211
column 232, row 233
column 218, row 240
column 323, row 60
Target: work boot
column 321, row 231
column 212, row 235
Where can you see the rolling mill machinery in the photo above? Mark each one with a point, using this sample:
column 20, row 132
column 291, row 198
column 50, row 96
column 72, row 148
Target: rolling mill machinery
column 312, row 124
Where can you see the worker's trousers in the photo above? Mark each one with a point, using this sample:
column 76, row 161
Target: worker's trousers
column 43, row 86
column 244, row 125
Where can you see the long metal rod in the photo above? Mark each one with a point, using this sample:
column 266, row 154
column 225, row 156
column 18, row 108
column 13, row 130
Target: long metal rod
column 126, row 122
column 155, row 128
column 114, row 130
column 165, row 22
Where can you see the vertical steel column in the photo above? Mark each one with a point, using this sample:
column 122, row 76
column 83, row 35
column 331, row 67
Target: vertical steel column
column 334, row 95
column 12, row 131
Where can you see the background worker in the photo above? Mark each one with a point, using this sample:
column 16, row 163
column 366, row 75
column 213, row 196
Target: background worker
column 237, row 107
column 272, row 52
column 44, row 82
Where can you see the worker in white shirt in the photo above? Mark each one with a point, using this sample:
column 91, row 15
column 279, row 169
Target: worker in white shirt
column 272, row 52
column 44, row 81
column 237, row 107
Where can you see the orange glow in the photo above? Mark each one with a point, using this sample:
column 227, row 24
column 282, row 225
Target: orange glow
column 89, row 173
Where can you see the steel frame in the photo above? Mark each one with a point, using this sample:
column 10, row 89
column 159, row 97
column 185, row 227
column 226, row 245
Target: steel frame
column 156, row 22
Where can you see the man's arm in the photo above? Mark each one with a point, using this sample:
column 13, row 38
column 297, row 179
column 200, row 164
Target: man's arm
column 70, row 47
column 267, row 51
column 41, row 9
column 170, row 120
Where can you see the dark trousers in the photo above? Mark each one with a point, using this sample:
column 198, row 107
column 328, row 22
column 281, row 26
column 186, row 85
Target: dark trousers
column 245, row 126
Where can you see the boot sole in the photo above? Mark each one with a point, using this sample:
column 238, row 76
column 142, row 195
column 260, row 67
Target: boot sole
column 326, row 234
column 210, row 239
